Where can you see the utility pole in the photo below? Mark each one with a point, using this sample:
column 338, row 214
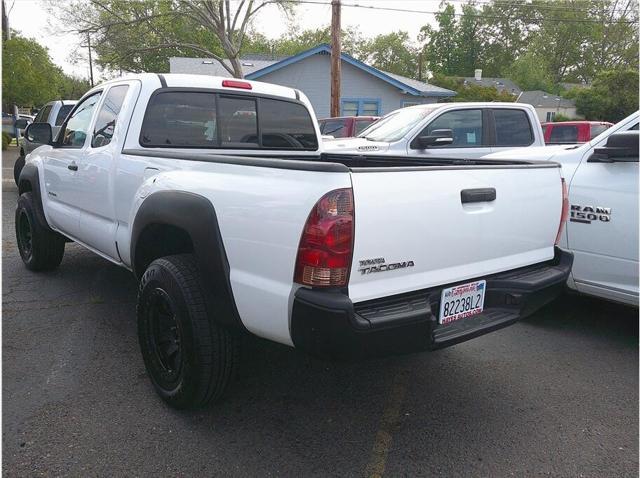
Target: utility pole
column 6, row 32
column 90, row 62
column 335, row 58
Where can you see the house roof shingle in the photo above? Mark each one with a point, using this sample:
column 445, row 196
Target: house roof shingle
column 542, row 99
column 253, row 68
column 501, row 84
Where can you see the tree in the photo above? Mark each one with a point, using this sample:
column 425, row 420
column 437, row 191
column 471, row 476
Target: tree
column 392, row 52
column 612, row 97
column 470, row 92
column 29, row 77
column 141, row 35
column 530, row 72
column 438, row 42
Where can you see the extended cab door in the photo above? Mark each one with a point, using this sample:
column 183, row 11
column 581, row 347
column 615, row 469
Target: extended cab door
column 512, row 128
column 602, row 230
column 97, row 170
column 61, row 168
column 470, row 135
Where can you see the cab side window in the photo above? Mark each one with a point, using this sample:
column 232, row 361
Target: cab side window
column 106, row 120
column 466, row 126
column 77, row 127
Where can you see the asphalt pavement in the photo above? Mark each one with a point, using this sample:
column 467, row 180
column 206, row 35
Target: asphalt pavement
column 554, row 395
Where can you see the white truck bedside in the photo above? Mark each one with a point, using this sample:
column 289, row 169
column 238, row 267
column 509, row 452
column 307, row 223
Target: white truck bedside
column 216, row 194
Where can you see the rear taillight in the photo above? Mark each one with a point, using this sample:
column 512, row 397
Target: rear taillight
column 565, row 211
column 243, row 85
column 326, row 245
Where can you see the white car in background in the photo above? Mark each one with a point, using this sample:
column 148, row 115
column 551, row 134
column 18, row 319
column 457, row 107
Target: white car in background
column 602, row 231
column 447, row 130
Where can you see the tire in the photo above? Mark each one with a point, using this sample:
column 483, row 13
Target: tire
column 41, row 249
column 17, row 168
column 188, row 357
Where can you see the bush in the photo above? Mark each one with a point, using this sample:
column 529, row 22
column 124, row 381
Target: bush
column 560, row 117
column 6, row 139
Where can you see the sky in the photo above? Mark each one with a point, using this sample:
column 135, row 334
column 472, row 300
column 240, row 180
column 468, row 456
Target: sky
column 31, row 18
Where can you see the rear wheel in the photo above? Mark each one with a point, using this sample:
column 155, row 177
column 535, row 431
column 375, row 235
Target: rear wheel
column 188, row 357
column 40, row 248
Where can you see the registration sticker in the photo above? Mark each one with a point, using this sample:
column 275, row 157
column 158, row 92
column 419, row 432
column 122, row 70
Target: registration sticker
column 461, row 301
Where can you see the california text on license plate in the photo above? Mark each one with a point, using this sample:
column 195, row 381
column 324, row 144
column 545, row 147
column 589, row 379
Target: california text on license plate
column 461, row 301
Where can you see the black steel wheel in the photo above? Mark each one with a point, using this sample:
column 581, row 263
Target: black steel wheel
column 40, row 248
column 188, row 356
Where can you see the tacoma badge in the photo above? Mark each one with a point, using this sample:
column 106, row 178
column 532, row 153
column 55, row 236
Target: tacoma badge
column 368, row 266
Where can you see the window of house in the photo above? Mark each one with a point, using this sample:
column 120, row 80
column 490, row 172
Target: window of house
column 360, row 107
column 551, row 115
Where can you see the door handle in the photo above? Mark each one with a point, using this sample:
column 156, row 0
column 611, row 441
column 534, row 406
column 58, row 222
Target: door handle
column 478, row 195
column 73, row 167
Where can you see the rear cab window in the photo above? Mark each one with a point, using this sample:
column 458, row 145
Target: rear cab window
column 513, row 127
column 564, row 134
column 212, row 120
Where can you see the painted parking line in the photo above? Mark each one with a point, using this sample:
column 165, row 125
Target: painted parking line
column 389, row 421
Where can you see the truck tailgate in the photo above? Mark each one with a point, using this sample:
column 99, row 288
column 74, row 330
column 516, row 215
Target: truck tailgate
column 424, row 227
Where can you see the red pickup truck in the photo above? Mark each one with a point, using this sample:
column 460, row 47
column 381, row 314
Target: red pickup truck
column 345, row 126
column 571, row 132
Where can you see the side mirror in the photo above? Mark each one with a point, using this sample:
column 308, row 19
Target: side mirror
column 438, row 137
column 620, row 147
column 38, row 133
column 21, row 123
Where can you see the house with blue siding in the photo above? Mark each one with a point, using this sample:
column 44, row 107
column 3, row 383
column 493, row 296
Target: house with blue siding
column 365, row 90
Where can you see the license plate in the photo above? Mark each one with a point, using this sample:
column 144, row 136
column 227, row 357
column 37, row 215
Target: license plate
column 461, row 301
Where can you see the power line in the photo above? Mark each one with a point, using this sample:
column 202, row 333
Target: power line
column 494, row 17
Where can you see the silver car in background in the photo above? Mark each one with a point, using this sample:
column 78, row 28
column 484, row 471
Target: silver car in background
column 54, row 113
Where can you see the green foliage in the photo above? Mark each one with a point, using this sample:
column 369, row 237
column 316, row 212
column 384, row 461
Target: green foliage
column 559, row 117
column 392, row 52
column 470, row 92
column 612, row 97
column 543, row 42
column 29, row 77
column 6, row 139
column 530, row 72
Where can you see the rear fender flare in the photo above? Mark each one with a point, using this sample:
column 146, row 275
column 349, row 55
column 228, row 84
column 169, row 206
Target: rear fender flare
column 197, row 216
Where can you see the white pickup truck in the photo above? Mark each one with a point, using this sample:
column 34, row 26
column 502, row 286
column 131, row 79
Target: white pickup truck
column 602, row 231
column 215, row 193
column 447, row 130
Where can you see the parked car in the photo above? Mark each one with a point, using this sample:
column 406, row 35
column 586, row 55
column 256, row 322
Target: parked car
column 345, row 126
column 572, row 132
column 602, row 231
column 53, row 113
column 188, row 181
column 470, row 130
column 8, row 123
